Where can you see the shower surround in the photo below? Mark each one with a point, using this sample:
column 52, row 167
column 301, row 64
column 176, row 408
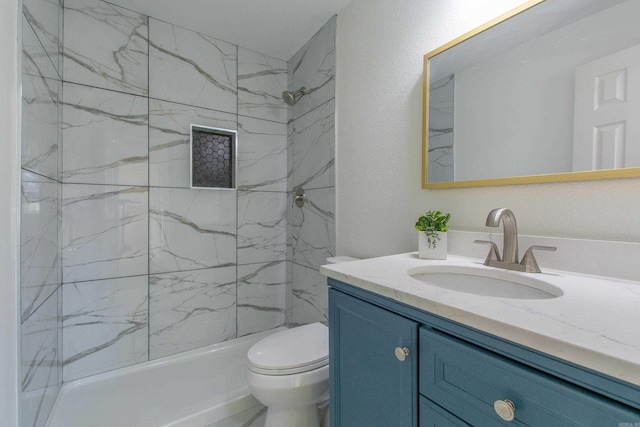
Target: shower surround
column 122, row 262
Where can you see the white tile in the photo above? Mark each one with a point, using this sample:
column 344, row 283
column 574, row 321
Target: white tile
column 262, row 226
column 191, row 229
column 314, row 68
column 105, row 231
column 314, row 148
column 41, row 135
column 191, row 68
column 40, row 270
column 105, row 137
column 169, row 135
column 313, row 228
column 310, row 299
column 45, row 17
column 261, row 297
column 41, row 372
column 105, row 325
column 261, row 81
column 262, row 155
column 290, row 142
column 35, row 60
column 105, row 46
column 191, row 309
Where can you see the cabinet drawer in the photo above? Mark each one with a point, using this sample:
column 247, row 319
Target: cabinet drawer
column 467, row 380
column 431, row 415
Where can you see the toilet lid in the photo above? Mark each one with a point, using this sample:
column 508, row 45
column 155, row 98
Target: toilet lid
column 292, row 351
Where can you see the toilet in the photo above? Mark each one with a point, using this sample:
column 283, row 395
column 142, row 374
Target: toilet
column 289, row 373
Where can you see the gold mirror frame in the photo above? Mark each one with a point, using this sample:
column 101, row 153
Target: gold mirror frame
column 632, row 172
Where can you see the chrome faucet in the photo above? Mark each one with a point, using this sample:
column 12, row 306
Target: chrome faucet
column 509, row 259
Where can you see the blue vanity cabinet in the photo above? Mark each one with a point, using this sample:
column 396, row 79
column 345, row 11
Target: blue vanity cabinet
column 467, row 381
column 453, row 375
column 432, row 415
column 369, row 385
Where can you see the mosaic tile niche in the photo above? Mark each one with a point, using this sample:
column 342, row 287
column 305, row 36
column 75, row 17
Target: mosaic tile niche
column 213, row 157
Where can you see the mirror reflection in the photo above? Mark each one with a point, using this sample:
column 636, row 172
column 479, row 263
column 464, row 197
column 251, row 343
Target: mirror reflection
column 550, row 92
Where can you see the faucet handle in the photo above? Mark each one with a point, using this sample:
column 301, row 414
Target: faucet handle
column 529, row 261
column 494, row 253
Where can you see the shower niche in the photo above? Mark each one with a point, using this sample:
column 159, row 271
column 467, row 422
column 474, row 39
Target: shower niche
column 213, row 157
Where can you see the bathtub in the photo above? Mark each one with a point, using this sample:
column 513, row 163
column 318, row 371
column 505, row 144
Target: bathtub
column 190, row 389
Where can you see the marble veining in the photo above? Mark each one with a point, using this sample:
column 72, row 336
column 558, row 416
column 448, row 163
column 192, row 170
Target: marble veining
column 314, row 68
column 105, row 46
column 149, row 264
column 105, row 325
column 262, row 155
column 261, row 81
column 40, row 211
column 310, row 298
column 262, row 226
column 440, row 163
column 169, row 136
column 105, row 231
column 44, row 18
column 314, row 148
column 192, row 68
column 191, row 229
column 313, row 228
column 191, row 309
column 41, row 371
column 41, row 147
column 441, row 136
column 105, row 137
column 35, row 60
column 261, row 296
column 311, row 166
column 40, row 270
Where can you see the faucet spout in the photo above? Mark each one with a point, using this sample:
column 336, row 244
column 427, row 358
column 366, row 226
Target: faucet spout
column 510, row 246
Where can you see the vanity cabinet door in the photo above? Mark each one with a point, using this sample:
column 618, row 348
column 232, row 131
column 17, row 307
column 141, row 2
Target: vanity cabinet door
column 373, row 365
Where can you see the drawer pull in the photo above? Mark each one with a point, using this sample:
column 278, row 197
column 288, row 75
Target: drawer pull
column 505, row 409
column 402, row 353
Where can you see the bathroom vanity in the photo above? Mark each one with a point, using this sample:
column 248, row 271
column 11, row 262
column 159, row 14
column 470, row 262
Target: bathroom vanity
column 405, row 352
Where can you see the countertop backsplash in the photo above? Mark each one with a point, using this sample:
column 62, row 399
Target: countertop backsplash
column 619, row 260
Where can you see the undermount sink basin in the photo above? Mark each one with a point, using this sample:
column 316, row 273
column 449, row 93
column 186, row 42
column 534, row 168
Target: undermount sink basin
column 485, row 281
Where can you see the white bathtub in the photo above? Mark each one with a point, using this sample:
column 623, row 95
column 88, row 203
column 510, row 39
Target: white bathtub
column 190, row 389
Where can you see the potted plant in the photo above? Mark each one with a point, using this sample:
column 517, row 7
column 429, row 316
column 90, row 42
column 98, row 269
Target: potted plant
column 432, row 238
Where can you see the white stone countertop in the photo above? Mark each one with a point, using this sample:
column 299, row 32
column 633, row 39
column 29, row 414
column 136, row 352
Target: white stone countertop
column 595, row 323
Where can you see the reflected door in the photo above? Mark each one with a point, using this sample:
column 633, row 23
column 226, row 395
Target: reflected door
column 607, row 112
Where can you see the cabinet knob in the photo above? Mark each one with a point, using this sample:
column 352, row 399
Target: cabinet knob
column 506, row 409
column 402, row 353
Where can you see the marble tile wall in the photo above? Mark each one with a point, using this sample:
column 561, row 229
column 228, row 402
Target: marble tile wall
column 150, row 266
column 40, row 251
column 441, row 100
column 311, row 163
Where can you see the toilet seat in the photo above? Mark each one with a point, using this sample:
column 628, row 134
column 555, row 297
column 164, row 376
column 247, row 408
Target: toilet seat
column 293, row 351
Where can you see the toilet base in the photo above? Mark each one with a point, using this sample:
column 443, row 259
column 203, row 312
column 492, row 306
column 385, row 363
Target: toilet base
column 306, row 416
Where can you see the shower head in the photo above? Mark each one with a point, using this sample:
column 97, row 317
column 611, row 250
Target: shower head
column 292, row 97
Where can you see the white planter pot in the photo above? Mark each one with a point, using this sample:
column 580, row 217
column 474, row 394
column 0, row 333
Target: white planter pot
column 437, row 252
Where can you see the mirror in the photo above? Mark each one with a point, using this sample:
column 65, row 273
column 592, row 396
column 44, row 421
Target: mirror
column 547, row 92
